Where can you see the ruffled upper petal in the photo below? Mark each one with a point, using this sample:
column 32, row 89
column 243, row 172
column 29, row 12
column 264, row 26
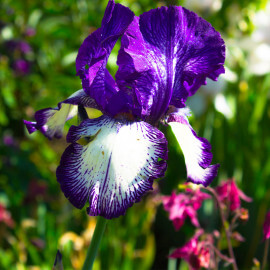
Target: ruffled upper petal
column 115, row 167
column 196, row 150
column 50, row 121
column 166, row 55
column 95, row 50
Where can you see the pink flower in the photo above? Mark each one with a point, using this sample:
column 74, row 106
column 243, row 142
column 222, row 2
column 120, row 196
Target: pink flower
column 195, row 252
column 266, row 227
column 5, row 216
column 230, row 194
column 184, row 205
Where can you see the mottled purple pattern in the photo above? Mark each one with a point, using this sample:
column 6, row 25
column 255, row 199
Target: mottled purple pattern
column 95, row 50
column 110, row 193
column 43, row 116
column 166, row 55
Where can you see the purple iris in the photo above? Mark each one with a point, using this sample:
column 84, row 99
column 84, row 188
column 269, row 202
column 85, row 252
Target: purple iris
column 166, row 54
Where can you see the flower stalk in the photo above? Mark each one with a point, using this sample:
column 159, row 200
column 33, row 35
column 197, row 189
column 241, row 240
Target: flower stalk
column 93, row 248
column 225, row 226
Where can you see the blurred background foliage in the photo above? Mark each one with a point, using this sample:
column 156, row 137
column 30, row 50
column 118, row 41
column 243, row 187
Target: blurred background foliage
column 39, row 41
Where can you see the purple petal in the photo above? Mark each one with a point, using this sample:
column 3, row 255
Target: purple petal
column 166, row 55
column 51, row 121
column 197, row 152
column 115, row 167
column 31, row 126
column 94, row 53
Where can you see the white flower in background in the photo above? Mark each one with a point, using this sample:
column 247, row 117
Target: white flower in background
column 259, row 60
column 204, row 5
column 259, row 45
column 214, row 90
column 262, row 24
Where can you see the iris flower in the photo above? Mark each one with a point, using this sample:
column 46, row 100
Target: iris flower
column 166, row 54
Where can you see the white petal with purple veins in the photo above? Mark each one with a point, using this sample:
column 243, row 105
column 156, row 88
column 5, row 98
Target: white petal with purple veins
column 197, row 152
column 115, row 168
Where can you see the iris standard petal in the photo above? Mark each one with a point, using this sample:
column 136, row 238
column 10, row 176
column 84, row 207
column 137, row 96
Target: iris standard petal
column 95, row 50
column 115, row 167
column 166, row 55
column 51, row 121
column 196, row 150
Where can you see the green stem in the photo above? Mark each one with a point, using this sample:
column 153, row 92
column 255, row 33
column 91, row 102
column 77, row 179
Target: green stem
column 93, row 248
